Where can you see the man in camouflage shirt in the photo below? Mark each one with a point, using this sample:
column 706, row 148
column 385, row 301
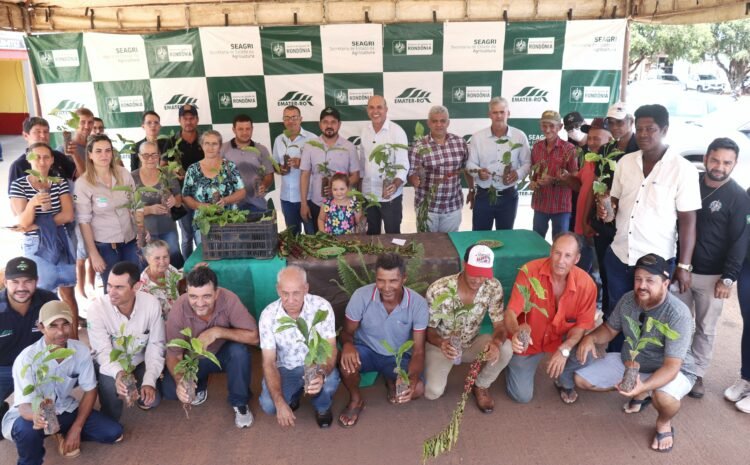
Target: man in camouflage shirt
column 458, row 304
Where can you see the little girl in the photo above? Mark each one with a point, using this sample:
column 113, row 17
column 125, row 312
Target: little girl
column 340, row 214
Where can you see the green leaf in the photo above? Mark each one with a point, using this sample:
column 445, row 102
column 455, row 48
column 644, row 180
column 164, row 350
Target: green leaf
column 28, row 389
column 538, row 288
column 179, row 343
column 302, row 325
column 213, row 358
column 405, row 347
column 591, row 156
column 388, row 347
column 635, row 328
column 320, row 316
column 114, row 355
column 58, row 354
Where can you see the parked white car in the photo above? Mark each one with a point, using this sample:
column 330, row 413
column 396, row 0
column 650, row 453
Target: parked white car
column 704, row 83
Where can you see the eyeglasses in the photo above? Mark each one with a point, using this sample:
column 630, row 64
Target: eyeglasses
column 291, row 118
column 147, row 156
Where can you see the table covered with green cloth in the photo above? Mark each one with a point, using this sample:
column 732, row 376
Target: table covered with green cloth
column 253, row 280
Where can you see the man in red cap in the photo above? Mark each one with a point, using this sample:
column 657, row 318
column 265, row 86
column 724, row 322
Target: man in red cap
column 569, row 301
column 453, row 335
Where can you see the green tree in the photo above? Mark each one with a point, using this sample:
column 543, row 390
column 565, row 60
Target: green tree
column 688, row 42
column 730, row 48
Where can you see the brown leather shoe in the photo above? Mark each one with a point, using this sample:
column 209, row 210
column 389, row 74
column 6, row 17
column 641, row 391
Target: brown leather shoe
column 483, row 399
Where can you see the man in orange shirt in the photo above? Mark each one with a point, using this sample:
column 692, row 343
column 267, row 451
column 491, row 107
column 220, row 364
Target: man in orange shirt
column 570, row 303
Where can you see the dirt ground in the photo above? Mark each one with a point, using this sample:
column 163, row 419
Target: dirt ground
column 593, row 430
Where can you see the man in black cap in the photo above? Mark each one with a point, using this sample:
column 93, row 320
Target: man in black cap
column 20, row 302
column 322, row 158
column 667, row 368
column 253, row 160
column 572, row 123
column 190, row 152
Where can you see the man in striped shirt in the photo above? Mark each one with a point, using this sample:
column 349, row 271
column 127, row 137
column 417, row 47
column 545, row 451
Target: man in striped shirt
column 553, row 171
column 438, row 159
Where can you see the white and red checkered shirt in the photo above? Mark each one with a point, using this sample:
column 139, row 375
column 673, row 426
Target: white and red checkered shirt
column 444, row 163
column 553, row 198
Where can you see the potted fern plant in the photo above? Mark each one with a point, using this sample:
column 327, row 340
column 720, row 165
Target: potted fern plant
column 524, row 329
column 319, row 350
column 124, row 349
column 43, row 403
column 453, row 317
column 637, row 343
column 187, row 368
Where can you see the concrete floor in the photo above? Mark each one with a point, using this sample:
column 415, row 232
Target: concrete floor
column 594, row 430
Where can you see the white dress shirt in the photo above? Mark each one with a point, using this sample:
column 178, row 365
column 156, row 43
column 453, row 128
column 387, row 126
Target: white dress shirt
column 390, row 133
column 485, row 152
column 145, row 323
column 648, row 206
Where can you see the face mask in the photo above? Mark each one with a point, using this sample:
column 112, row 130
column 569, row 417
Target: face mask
column 576, row 134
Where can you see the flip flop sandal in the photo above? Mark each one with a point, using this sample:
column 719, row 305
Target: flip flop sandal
column 567, row 391
column 661, row 436
column 640, row 403
column 351, row 413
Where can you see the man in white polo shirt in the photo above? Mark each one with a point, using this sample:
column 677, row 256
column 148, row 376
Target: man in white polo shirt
column 653, row 190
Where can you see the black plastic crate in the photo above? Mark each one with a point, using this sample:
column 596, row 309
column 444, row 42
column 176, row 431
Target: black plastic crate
column 255, row 239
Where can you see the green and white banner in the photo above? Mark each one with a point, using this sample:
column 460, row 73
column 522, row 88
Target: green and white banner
column 224, row 71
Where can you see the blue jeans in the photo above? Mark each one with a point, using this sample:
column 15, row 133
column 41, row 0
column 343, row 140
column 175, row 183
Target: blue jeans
column 122, row 252
column 520, row 372
column 235, row 362
column 292, row 384
column 502, row 213
column 560, row 223
column 383, row 364
column 389, row 213
column 50, row 275
column 30, row 441
column 293, row 219
column 175, row 256
column 110, row 401
column 186, row 231
column 743, row 293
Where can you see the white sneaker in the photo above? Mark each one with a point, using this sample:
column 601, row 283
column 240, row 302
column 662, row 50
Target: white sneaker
column 743, row 405
column 740, row 389
column 200, row 397
column 243, row 417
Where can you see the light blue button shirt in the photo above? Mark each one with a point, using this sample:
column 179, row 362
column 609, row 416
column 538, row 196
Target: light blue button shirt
column 485, row 152
column 283, row 145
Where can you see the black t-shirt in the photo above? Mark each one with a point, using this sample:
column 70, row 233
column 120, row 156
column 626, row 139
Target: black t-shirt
column 721, row 230
column 62, row 166
column 18, row 332
column 135, row 162
column 191, row 152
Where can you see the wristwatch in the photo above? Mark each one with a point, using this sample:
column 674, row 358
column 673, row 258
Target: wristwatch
column 688, row 267
column 565, row 352
column 727, row 282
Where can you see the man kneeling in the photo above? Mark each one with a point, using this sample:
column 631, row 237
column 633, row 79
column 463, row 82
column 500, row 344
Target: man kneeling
column 285, row 350
column 667, row 369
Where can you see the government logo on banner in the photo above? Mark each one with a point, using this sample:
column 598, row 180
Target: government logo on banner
column 292, row 50
column 534, row 45
column 531, row 94
column 412, row 47
column 471, row 94
column 59, row 58
column 126, row 104
column 589, row 94
column 68, row 105
column 177, row 53
column 353, row 96
column 238, row 100
column 296, row 98
column 179, row 100
column 413, row 95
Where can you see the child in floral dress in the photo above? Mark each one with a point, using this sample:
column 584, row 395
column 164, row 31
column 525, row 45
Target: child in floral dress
column 339, row 214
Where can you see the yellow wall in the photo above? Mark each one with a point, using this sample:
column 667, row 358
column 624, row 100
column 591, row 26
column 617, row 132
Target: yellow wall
column 12, row 88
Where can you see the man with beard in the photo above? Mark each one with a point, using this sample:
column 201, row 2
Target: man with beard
column 720, row 248
column 217, row 318
column 252, row 160
column 20, row 302
column 667, row 369
column 76, row 416
column 337, row 155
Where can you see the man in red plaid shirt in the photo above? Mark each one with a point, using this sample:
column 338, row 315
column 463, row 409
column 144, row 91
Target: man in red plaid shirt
column 553, row 174
column 436, row 161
